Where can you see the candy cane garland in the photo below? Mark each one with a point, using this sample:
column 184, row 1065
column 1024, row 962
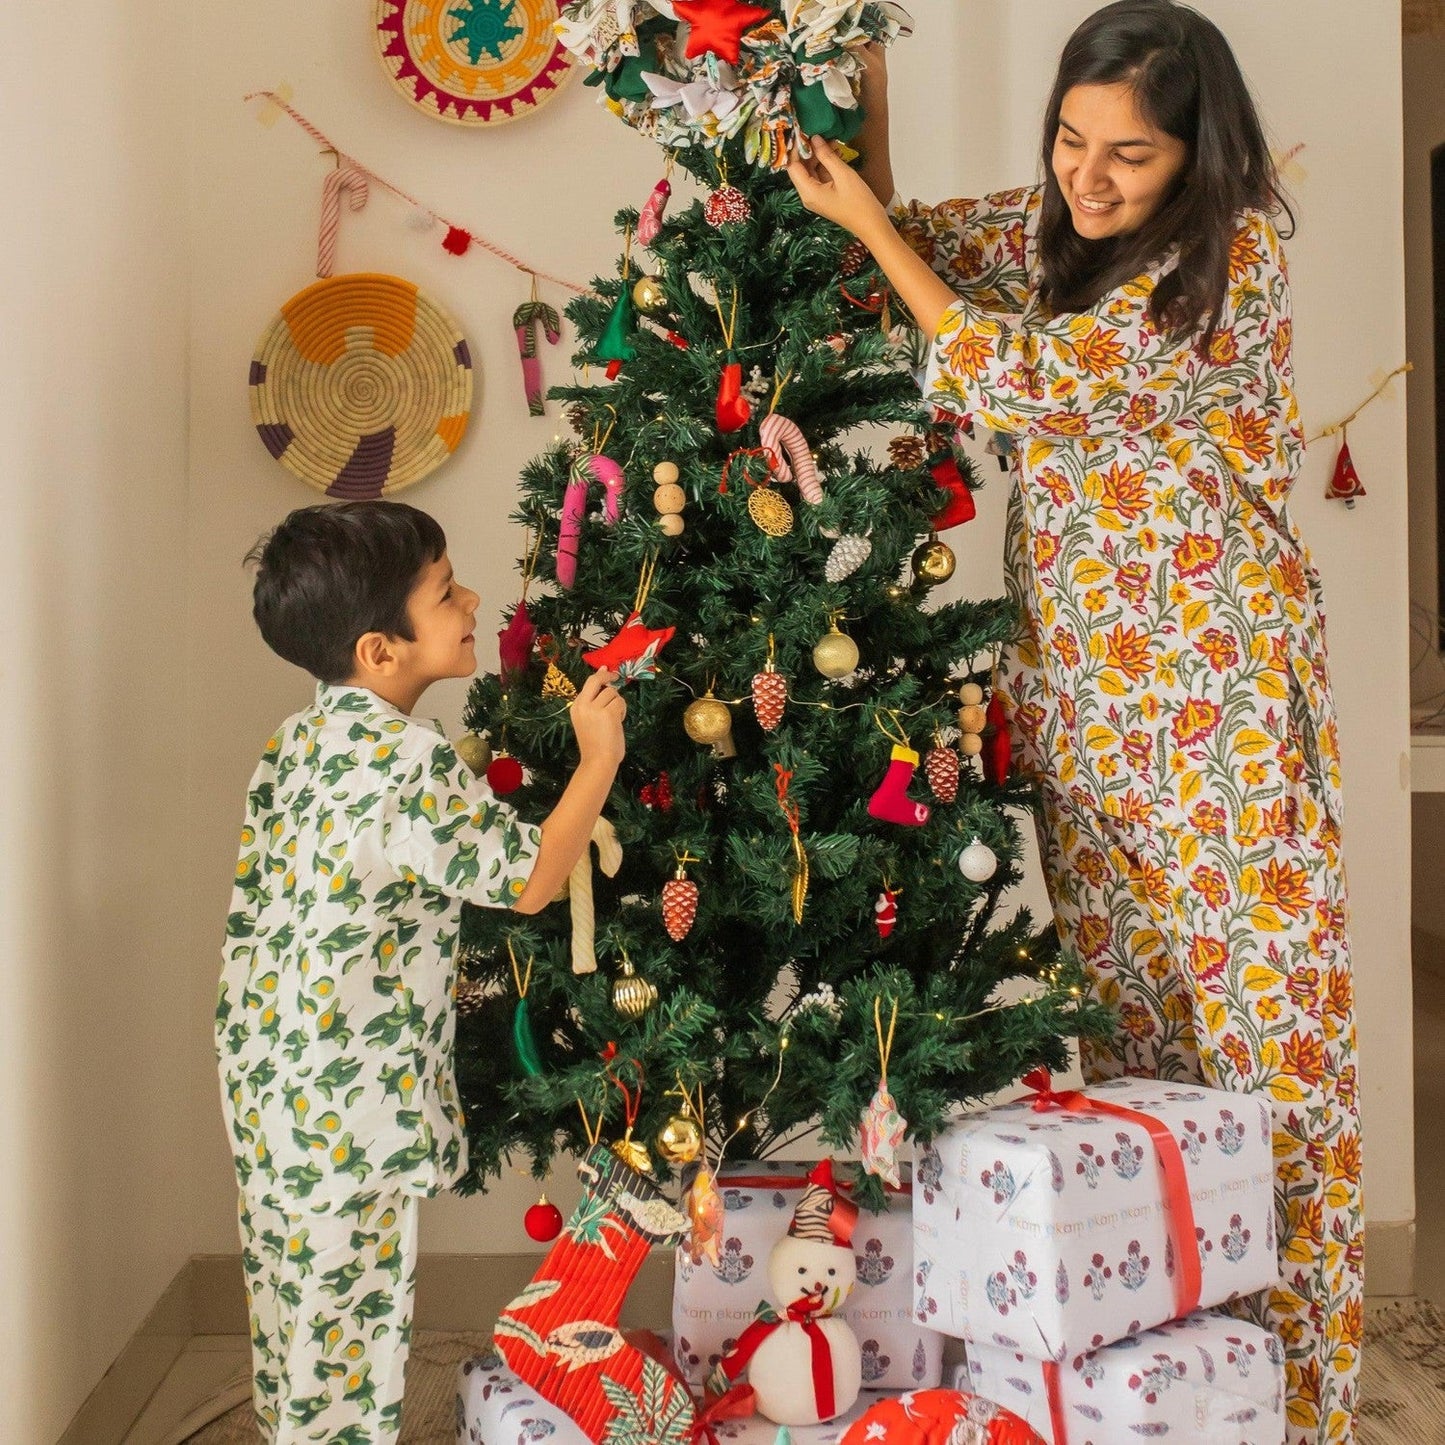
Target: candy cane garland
column 525, row 320
column 585, row 471
column 350, row 178
column 786, row 444
column 584, row 928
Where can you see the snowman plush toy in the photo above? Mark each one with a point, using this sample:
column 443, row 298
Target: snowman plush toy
column 802, row 1362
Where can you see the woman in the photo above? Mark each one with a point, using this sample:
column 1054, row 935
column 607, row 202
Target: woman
column 1127, row 323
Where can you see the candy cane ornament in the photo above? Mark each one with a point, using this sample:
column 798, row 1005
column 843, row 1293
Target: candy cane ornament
column 525, row 320
column 584, row 928
column 789, row 456
column 585, row 471
column 351, row 179
column 649, row 222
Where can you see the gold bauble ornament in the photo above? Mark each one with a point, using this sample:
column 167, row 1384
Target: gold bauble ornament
column 475, row 752
column 934, row 562
column 836, row 654
column 970, row 745
column 680, row 1140
column 671, row 525
column 896, row 592
column 669, row 497
column 649, row 295
column 707, row 720
column 665, row 473
column 972, row 718
column 970, row 694
column 771, row 512
column 632, row 995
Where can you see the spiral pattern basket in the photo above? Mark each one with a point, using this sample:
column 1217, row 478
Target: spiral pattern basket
column 361, row 386
column 473, row 62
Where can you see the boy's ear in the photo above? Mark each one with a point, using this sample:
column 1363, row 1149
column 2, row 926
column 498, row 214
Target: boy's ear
column 376, row 654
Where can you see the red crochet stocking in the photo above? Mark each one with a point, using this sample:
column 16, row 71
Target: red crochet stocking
column 891, row 802
column 561, row 1333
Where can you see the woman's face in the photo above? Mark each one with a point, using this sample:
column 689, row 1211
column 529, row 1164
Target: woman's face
column 1114, row 168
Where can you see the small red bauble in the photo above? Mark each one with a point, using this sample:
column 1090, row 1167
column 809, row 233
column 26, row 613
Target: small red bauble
column 504, row 774
column 725, row 206
column 543, row 1221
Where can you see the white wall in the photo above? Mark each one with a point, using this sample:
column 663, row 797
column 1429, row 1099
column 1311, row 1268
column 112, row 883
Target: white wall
column 973, row 83
column 98, row 1046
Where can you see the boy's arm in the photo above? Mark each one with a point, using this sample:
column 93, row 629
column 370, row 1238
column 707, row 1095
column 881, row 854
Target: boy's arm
column 566, row 832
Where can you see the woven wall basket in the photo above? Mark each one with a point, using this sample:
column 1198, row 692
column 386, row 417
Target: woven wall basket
column 473, row 62
column 361, row 386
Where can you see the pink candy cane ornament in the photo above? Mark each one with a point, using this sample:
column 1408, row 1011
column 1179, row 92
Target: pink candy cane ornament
column 786, row 444
column 649, row 221
column 585, row 471
column 525, row 320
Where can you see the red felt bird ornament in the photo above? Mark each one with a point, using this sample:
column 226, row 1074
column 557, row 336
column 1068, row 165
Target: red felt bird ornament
column 633, row 652
column 718, row 26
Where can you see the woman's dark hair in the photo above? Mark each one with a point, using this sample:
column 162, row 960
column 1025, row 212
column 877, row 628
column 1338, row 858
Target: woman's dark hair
column 330, row 574
column 1187, row 83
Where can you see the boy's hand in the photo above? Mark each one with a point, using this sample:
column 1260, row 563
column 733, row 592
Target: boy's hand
column 597, row 713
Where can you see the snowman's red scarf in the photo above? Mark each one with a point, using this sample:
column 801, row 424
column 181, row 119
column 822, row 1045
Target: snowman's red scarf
column 805, row 1312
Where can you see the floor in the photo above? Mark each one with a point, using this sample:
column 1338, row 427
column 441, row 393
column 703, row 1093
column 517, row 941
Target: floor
column 210, row 1361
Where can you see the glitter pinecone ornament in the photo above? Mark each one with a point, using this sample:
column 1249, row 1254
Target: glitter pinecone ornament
column 727, row 205
column 679, row 905
column 770, row 697
column 849, row 553
column 855, row 257
column 941, row 768
column 906, row 453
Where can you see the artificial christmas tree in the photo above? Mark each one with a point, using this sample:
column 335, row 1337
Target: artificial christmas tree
column 766, row 997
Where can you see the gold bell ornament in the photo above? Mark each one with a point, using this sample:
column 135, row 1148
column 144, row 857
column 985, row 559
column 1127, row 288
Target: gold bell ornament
column 934, row 562
column 836, row 654
column 707, row 721
column 632, row 995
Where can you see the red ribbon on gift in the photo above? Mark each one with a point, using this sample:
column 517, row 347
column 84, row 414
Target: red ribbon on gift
column 1055, row 1391
column 733, row 1404
column 1188, row 1280
column 801, row 1312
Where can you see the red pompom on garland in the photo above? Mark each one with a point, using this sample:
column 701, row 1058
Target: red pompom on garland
column 543, row 1221
column 504, row 774
column 457, row 241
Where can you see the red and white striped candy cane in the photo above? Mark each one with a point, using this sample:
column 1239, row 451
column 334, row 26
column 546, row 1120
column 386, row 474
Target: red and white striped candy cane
column 785, row 444
column 348, row 177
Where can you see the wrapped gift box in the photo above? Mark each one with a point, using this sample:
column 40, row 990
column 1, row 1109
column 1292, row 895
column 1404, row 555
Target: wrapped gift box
column 494, row 1407
column 1207, row 1379
column 1048, row 1233
column 712, row 1306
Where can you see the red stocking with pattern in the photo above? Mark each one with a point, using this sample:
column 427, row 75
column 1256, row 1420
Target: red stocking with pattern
column 891, row 802
column 561, row 1333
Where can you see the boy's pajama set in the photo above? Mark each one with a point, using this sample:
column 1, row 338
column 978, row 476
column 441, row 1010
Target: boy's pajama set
column 1170, row 694
column 364, row 834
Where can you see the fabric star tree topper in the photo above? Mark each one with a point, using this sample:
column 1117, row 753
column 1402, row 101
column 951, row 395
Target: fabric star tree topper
column 718, row 26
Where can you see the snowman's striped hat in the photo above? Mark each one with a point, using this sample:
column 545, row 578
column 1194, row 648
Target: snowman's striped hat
column 820, row 1215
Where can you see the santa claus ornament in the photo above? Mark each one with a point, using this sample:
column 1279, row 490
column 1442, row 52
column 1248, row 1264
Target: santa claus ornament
column 803, row 1363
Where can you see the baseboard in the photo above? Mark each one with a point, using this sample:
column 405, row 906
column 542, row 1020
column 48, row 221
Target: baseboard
column 459, row 1293
column 117, row 1401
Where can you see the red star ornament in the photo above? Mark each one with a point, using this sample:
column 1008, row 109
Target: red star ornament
column 718, row 26
column 633, row 652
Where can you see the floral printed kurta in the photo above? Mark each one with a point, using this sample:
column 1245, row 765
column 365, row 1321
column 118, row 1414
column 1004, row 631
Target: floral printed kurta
column 1170, row 694
column 364, row 834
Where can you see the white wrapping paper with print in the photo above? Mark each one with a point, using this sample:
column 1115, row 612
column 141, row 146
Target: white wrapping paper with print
column 712, row 1306
column 1204, row 1380
column 1047, row 1233
column 494, row 1407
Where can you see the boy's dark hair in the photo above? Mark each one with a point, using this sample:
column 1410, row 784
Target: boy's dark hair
column 330, row 574
column 1187, row 82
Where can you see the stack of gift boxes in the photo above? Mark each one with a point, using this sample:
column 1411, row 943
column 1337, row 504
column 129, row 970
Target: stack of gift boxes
column 1058, row 1237
column 1079, row 1245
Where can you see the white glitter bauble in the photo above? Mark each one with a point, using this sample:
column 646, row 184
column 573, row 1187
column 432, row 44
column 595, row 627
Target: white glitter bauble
column 977, row 862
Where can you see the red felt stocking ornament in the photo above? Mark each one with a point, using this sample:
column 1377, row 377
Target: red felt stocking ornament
column 891, row 803
column 997, row 743
column 960, row 506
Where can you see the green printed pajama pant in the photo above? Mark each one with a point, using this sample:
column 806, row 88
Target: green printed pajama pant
column 1228, row 962
column 330, row 1289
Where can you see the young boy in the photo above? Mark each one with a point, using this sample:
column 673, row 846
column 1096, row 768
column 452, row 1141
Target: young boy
column 364, row 835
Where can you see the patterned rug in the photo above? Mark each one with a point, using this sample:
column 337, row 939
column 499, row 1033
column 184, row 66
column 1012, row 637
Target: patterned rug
column 1403, row 1390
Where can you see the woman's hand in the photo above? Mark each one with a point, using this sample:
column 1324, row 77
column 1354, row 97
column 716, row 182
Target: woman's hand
column 829, row 187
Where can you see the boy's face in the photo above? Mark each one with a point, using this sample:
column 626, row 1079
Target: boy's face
column 443, row 616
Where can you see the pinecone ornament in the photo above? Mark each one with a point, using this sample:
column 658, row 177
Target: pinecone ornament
column 941, row 767
column 855, row 257
column 679, row 905
column 726, row 205
column 849, row 553
column 906, row 453
column 770, row 697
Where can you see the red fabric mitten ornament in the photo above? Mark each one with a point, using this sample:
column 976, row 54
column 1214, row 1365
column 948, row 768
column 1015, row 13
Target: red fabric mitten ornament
column 940, row 1417
column 733, row 409
column 998, row 749
column 561, row 1334
column 960, row 506
column 1345, row 486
